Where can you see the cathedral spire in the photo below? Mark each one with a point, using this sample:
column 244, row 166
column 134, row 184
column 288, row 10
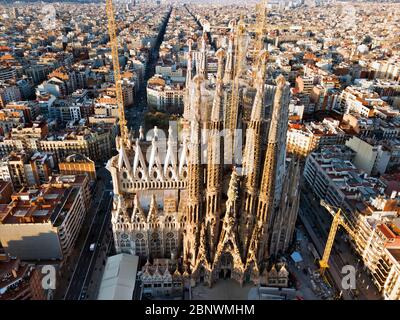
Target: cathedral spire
column 189, row 64
column 228, row 241
column 183, row 159
column 217, row 111
column 229, row 61
column 258, row 106
column 215, row 161
column 202, row 257
column 189, row 75
column 202, row 70
column 141, row 133
column 241, row 46
column 155, row 165
column 232, row 193
column 170, row 162
column 284, row 219
column 267, row 189
column 195, row 178
column 139, row 163
column 252, row 157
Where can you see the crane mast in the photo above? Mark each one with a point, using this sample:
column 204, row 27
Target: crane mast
column 337, row 221
column 112, row 31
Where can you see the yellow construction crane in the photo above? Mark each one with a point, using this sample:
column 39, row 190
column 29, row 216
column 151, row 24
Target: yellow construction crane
column 338, row 220
column 112, row 31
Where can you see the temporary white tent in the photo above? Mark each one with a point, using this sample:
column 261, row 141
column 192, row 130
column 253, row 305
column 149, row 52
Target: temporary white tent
column 118, row 282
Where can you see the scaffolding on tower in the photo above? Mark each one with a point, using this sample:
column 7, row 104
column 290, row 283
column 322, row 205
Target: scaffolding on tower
column 234, row 98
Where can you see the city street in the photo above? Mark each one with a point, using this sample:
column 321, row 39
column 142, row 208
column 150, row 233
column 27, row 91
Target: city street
column 100, row 223
column 135, row 114
column 106, row 248
column 76, row 288
column 303, row 272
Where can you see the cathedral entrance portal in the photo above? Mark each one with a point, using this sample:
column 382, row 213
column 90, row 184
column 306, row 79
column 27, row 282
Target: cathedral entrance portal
column 202, row 272
column 226, row 266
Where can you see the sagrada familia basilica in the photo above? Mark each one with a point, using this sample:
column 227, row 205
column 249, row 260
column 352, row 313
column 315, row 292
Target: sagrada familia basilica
column 217, row 197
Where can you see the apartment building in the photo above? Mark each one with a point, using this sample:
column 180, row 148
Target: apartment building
column 44, row 223
column 304, row 84
column 12, row 168
column 78, row 164
column 80, row 101
column 45, row 101
column 109, row 95
column 23, row 169
column 170, row 70
column 33, row 130
column 7, row 73
column 165, row 95
column 24, row 137
column 38, row 72
column 333, row 177
column 296, row 110
column 8, row 120
column 28, row 110
column 304, row 138
column 106, row 107
column 362, row 126
column 74, row 180
column 97, row 143
column 389, row 69
column 371, row 158
column 19, row 280
column 9, row 91
column 62, row 82
column 325, row 99
column 378, row 243
column 26, row 88
column 360, row 101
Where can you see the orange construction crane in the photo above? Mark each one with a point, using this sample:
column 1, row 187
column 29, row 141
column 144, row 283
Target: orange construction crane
column 112, row 31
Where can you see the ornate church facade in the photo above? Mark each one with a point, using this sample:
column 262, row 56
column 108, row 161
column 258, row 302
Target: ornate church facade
column 217, row 195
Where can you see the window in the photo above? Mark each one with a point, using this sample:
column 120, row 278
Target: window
column 170, row 244
column 155, row 247
column 140, row 246
column 124, row 243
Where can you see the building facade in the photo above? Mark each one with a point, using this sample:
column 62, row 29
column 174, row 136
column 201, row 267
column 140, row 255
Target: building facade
column 78, row 164
column 378, row 244
column 185, row 205
column 44, row 223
